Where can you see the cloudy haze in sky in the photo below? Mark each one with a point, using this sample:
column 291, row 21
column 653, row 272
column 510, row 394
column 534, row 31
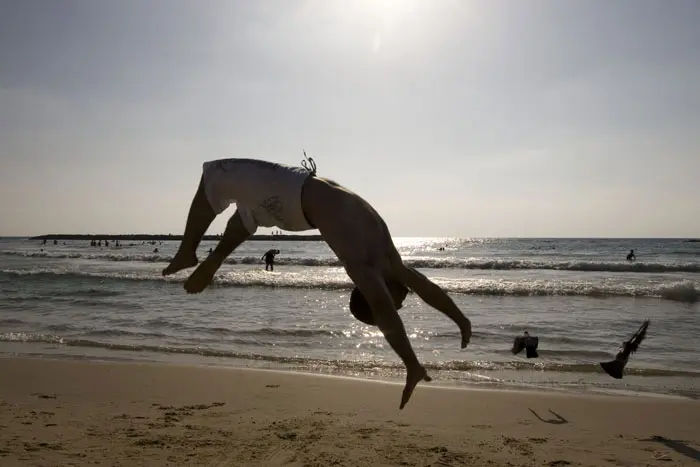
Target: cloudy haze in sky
column 453, row 118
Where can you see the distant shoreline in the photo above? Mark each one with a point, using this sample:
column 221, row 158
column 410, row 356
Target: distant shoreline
column 301, row 238
column 161, row 237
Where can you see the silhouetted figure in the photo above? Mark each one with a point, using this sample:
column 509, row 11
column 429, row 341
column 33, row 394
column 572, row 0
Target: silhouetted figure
column 270, row 194
column 269, row 258
column 630, row 256
column 526, row 342
column 615, row 367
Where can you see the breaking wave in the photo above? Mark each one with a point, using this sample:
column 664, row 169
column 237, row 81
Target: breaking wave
column 417, row 262
column 678, row 290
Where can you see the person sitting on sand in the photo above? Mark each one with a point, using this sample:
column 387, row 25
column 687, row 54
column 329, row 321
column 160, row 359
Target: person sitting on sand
column 268, row 194
column 269, row 258
column 631, row 256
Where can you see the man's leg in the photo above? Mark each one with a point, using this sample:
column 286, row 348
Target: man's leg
column 359, row 238
column 199, row 219
column 372, row 285
column 233, row 236
column 434, row 296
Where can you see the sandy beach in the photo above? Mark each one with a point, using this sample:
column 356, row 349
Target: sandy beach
column 64, row 412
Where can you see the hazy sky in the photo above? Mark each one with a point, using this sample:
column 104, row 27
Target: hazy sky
column 455, row 118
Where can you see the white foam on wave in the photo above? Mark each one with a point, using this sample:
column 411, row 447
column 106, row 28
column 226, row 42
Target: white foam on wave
column 681, row 291
column 415, row 261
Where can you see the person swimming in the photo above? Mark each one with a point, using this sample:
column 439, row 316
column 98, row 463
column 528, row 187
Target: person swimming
column 269, row 194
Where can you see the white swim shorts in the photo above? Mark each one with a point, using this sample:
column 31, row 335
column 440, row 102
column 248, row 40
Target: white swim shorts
column 266, row 194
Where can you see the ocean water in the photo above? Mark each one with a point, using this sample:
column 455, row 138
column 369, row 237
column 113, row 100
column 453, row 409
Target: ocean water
column 579, row 296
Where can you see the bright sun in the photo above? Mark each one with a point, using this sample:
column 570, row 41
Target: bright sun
column 386, row 16
column 386, row 25
column 386, row 11
column 387, row 8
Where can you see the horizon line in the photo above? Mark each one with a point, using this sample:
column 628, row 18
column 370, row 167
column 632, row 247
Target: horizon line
column 216, row 236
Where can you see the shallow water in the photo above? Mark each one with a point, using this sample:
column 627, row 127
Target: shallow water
column 579, row 296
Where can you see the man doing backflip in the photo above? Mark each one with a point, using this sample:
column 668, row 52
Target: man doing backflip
column 268, row 194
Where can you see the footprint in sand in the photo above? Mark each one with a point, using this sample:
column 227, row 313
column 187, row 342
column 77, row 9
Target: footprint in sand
column 287, row 435
column 366, row 432
column 399, row 424
column 443, row 457
column 30, row 447
column 281, row 457
column 520, row 446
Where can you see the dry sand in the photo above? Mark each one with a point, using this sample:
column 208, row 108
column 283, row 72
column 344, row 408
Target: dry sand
column 59, row 413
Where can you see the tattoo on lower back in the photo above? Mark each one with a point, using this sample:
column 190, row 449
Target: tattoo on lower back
column 273, row 205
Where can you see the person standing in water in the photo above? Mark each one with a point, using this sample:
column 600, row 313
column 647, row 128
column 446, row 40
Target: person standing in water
column 631, row 256
column 269, row 258
column 268, row 194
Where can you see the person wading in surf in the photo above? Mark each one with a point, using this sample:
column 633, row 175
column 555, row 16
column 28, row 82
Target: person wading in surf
column 269, row 258
column 269, row 194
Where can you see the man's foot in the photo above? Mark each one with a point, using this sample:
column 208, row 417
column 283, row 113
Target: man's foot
column 180, row 262
column 201, row 277
column 413, row 377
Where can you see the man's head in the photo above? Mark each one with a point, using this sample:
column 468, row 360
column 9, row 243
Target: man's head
column 360, row 308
